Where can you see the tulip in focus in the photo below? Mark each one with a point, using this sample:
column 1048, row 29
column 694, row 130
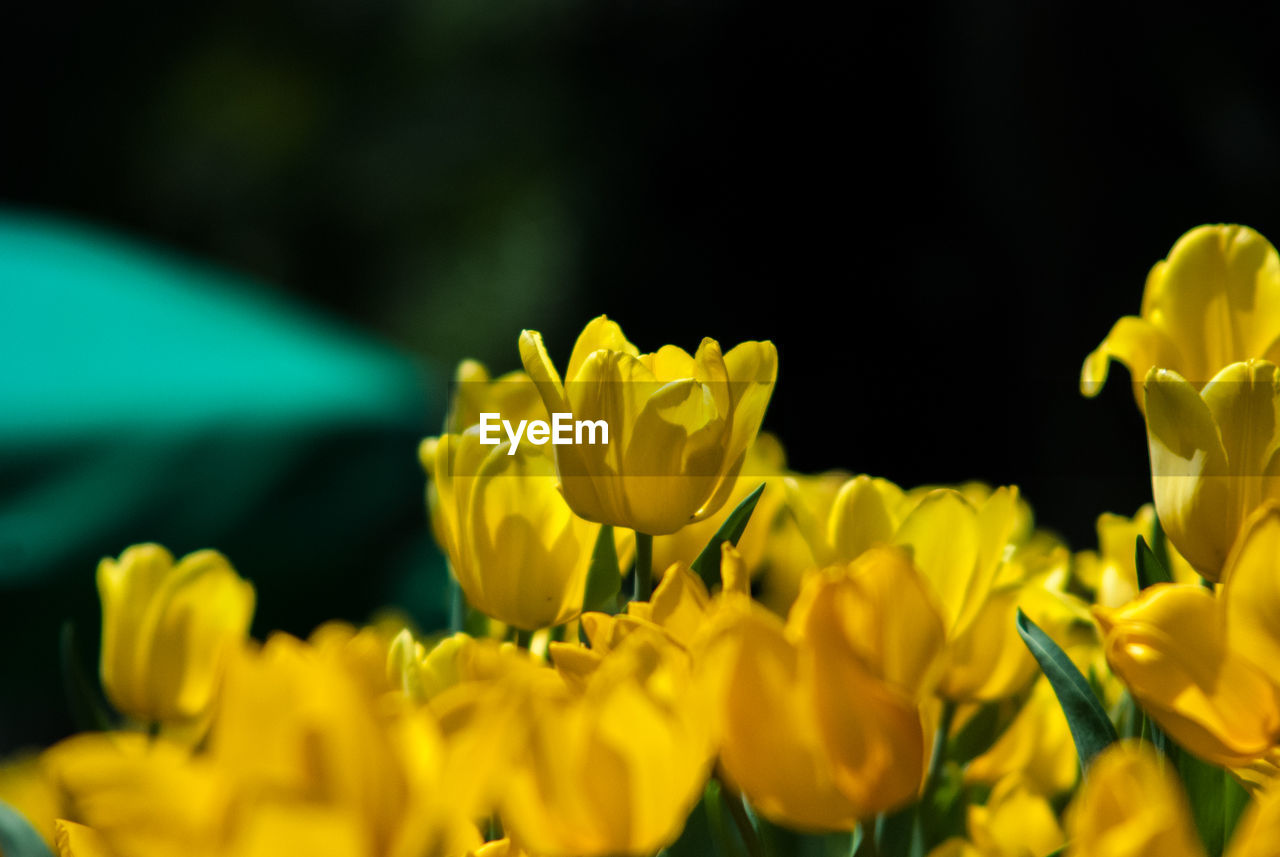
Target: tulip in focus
column 1214, row 301
column 168, row 629
column 679, row 424
column 1213, row 456
column 1203, row 666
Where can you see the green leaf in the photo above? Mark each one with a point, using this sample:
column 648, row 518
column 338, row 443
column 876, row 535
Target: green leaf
column 17, row 837
column 604, row 581
column 1150, row 569
column 88, row 710
column 707, row 565
column 1091, row 729
column 1216, row 800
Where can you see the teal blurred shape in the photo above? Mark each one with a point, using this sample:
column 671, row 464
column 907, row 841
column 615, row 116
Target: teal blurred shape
column 147, row 397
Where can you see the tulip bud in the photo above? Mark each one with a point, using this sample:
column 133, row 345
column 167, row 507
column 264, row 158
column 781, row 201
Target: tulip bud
column 167, row 629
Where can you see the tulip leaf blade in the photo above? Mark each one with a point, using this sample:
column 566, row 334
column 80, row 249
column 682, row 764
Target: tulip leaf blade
column 1091, row 729
column 1216, row 799
column 89, row 712
column 1150, row 569
column 17, row 837
column 604, row 581
column 707, row 565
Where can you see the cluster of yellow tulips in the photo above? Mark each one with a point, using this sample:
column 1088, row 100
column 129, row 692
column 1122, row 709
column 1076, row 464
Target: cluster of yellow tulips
column 669, row 643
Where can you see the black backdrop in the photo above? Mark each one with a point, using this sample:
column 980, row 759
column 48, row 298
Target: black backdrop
column 934, row 209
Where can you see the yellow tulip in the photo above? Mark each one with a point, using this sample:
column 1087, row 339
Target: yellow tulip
column 1037, row 748
column 1170, row 649
column 613, row 766
column 302, row 759
column 167, row 630
column 76, row 840
column 1131, row 805
column 678, row 425
column 518, row 551
column 1202, row 666
column 977, row 552
column 789, row 554
column 1111, row 571
column 821, row 717
column 1214, row 301
column 1213, row 456
column 1015, row 822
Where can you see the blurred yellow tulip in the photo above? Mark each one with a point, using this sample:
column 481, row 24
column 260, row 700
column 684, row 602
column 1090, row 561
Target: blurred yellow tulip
column 1111, row 572
column 612, row 766
column 821, row 717
column 1036, row 748
column 1213, row 456
column 678, row 425
column 168, row 629
column 1015, row 822
column 974, row 548
column 1214, row 301
column 302, row 759
column 518, row 551
column 788, row 552
column 1131, row 805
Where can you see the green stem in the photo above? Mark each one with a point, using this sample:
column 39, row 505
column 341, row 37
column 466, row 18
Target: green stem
column 644, row 567
column 746, row 829
column 938, row 756
column 523, row 638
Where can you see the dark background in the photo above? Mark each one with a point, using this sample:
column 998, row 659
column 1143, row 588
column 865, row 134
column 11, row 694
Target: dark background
column 934, row 210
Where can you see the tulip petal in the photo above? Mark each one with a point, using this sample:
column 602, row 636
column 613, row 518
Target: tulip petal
column 1251, row 596
column 1189, row 472
column 533, row 354
column 772, row 750
column 943, row 535
column 861, row 516
column 1170, row 648
column 600, row 334
column 76, row 840
column 1218, row 296
column 1136, row 343
column 1243, row 399
column 1131, row 805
